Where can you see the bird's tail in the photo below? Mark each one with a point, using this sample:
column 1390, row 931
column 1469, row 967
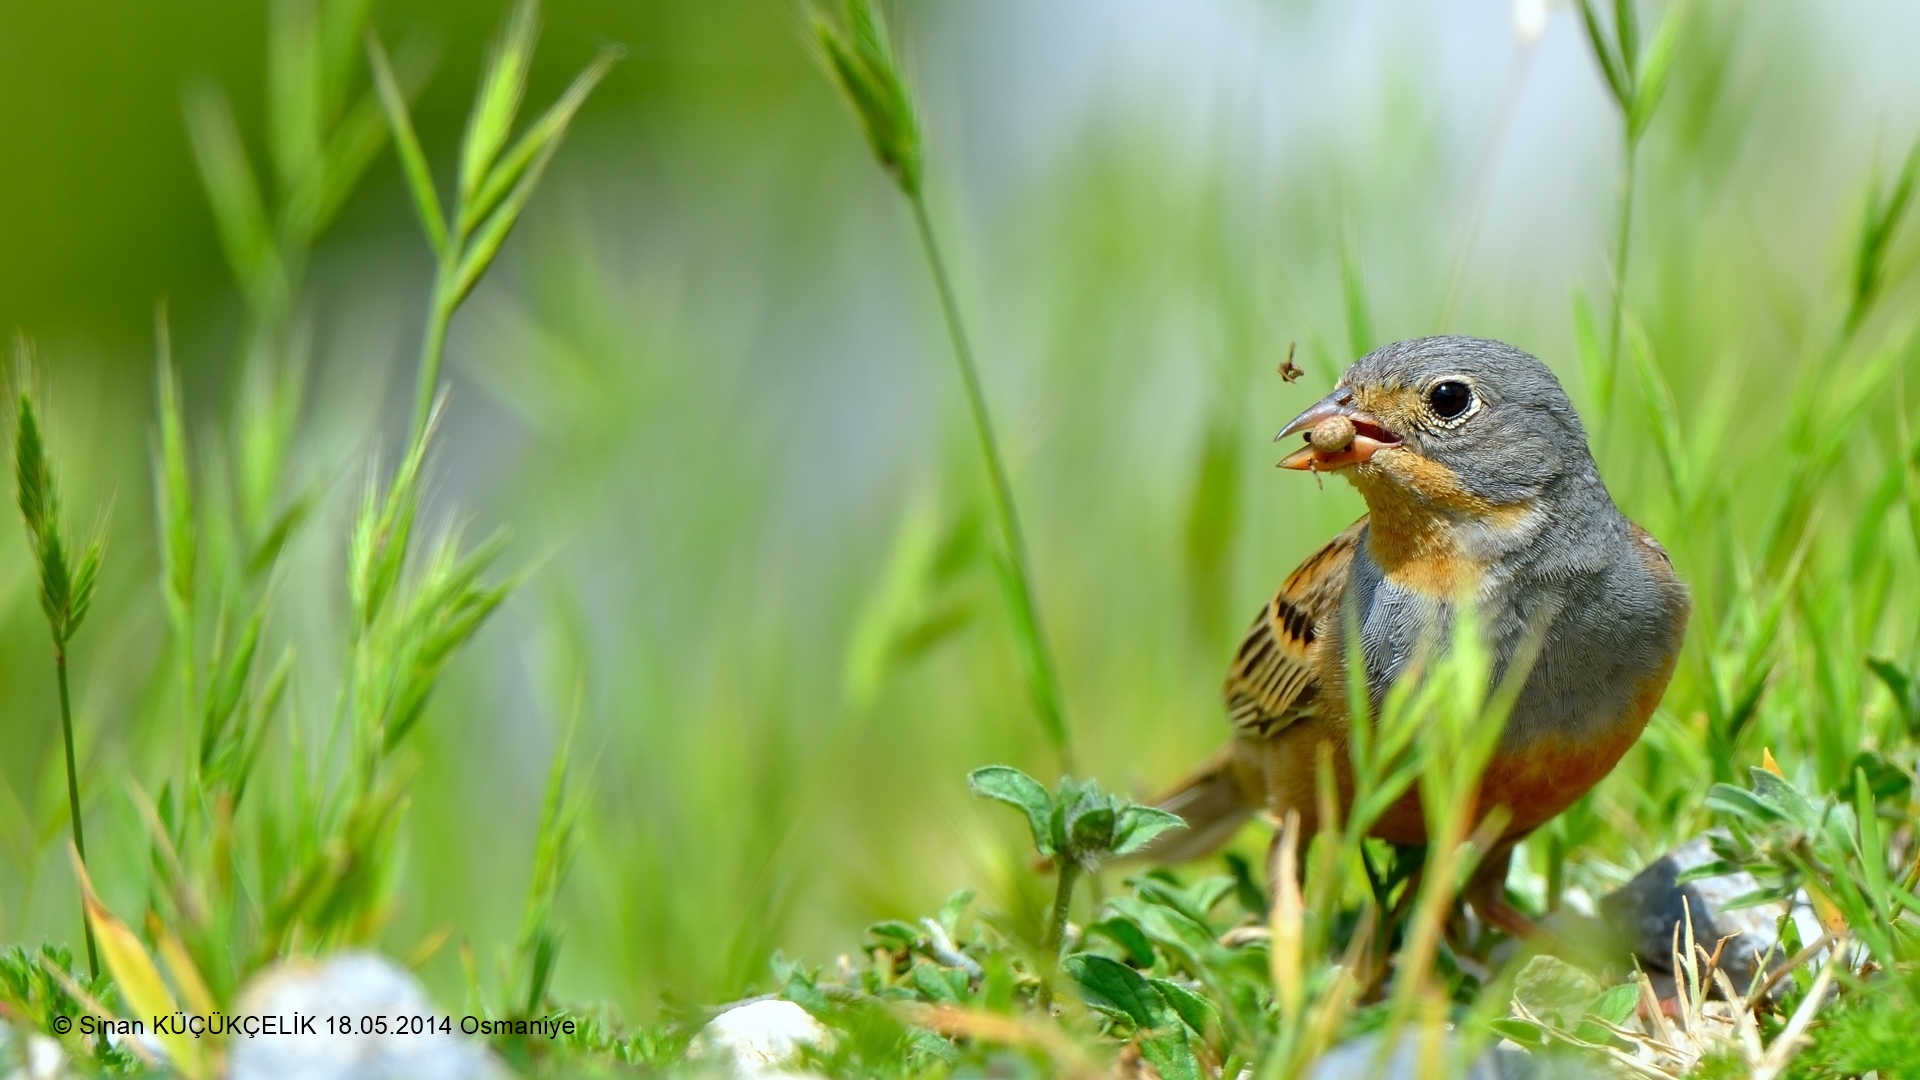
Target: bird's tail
column 1214, row 800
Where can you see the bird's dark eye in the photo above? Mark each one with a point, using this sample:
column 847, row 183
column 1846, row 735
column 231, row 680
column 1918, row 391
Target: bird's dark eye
column 1449, row 399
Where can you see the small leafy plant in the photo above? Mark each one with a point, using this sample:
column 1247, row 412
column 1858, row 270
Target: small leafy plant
column 1078, row 827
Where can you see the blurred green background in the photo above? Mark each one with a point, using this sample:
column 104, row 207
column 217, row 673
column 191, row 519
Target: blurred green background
column 708, row 392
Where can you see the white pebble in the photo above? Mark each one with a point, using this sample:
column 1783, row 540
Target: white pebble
column 34, row 1057
column 352, row 985
column 759, row 1039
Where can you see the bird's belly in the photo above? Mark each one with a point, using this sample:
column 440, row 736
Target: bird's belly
column 1530, row 785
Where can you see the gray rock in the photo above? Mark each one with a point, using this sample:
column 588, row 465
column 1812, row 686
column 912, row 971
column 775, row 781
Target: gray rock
column 351, row 985
column 1646, row 911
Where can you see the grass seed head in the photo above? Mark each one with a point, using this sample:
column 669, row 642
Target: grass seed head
column 861, row 59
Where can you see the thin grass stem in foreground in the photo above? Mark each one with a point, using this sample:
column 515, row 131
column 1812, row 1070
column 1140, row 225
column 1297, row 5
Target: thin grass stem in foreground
column 66, row 592
column 1019, row 571
column 860, row 58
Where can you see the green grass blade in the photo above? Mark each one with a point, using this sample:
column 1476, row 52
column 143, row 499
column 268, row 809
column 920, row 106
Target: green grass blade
column 498, row 101
column 1662, row 415
column 535, row 143
column 342, row 26
column 294, row 93
column 173, row 492
column 1626, row 30
column 1353, row 291
column 1610, row 66
column 558, row 840
column 526, row 164
column 1595, row 372
column 413, row 162
column 351, row 148
column 238, row 210
column 1879, row 223
column 1651, row 83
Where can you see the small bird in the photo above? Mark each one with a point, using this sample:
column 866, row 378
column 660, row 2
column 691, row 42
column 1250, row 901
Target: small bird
column 1479, row 486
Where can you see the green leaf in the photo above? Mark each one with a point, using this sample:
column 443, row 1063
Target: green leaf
column 1139, row 824
column 506, row 191
column 1124, row 933
column 1248, row 890
column 295, row 97
column 1589, row 1032
column 1171, row 1055
column 1716, row 868
column 173, row 489
column 1787, row 800
column 1882, row 778
column 34, row 488
column 229, row 683
column 1555, row 990
column 1353, row 287
column 499, row 97
column 1871, row 853
column 1617, row 1005
column 1197, row 1012
column 1028, row 645
column 1194, row 902
column 535, row 144
column 485, row 243
column 1900, row 685
column 1090, row 832
column 1880, row 221
column 1662, row 414
column 955, row 906
column 1525, row 1033
column 1015, row 788
column 938, row 985
column 1743, row 804
column 1180, row 935
column 894, row 935
column 413, row 161
column 238, row 210
column 1118, row 990
column 1651, row 83
column 1626, row 30
column 1610, row 66
column 1595, row 371
column 382, row 534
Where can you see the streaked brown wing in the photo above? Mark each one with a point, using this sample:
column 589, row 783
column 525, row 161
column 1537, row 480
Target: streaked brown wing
column 1273, row 681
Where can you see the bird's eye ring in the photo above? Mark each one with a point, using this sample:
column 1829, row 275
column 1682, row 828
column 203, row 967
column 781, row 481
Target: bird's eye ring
column 1450, row 399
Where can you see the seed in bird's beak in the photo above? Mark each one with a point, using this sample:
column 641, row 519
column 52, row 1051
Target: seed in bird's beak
column 1332, row 435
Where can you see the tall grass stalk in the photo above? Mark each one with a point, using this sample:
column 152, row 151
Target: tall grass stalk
column 861, row 59
column 1637, row 78
column 494, row 182
column 66, row 589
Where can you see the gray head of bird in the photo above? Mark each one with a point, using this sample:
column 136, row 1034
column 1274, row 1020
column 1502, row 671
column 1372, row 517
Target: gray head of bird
column 1453, row 422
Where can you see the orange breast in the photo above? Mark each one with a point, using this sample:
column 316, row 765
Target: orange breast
column 1533, row 786
column 1547, row 778
column 1536, row 781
